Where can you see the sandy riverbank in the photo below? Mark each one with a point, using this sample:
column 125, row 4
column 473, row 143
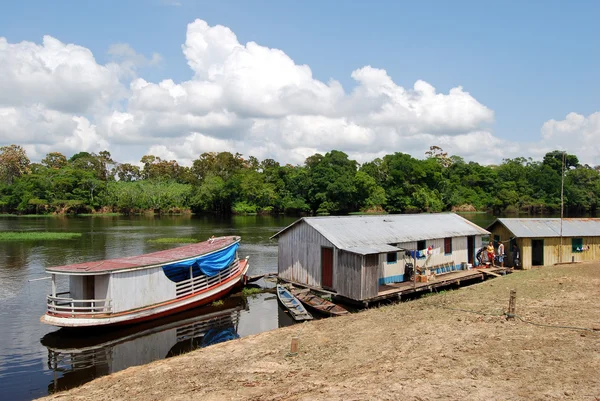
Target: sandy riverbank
column 418, row 350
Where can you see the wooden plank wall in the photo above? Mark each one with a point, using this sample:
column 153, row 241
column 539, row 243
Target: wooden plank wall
column 370, row 277
column 552, row 254
column 505, row 237
column 299, row 255
column 552, row 248
column 137, row 288
column 349, row 280
column 458, row 255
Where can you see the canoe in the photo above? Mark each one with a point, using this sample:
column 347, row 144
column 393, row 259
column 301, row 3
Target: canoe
column 319, row 304
column 292, row 304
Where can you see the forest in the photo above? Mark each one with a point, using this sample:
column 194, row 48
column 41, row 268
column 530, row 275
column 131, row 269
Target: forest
column 325, row 184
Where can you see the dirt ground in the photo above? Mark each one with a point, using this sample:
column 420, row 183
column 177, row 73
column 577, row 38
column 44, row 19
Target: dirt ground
column 417, row 350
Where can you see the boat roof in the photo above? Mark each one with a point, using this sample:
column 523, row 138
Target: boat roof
column 550, row 227
column 147, row 260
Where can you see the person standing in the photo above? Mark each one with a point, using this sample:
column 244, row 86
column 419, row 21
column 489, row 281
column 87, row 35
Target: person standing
column 501, row 254
column 490, row 253
column 516, row 257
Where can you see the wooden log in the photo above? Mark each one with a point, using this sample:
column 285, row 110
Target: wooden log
column 512, row 304
column 294, row 345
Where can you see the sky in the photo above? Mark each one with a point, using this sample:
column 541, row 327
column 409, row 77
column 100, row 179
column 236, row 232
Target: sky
column 285, row 80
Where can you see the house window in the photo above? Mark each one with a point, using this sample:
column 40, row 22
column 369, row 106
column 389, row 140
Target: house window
column 577, row 244
column 392, row 257
column 421, row 245
column 447, row 246
column 496, row 240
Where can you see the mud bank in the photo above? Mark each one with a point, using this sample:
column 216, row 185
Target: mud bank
column 426, row 349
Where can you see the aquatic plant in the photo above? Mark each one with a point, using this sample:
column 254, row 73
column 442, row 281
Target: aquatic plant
column 250, row 291
column 36, row 236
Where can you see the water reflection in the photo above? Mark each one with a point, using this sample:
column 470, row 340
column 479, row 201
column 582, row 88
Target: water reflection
column 76, row 357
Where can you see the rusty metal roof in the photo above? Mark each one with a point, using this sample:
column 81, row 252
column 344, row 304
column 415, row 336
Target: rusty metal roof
column 147, row 260
column 550, row 227
column 372, row 232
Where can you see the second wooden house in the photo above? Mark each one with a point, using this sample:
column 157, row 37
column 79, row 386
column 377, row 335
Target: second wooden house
column 539, row 239
column 353, row 256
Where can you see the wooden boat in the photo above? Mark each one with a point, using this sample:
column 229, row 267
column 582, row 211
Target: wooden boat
column 291, row 303
column 319, row 304
column 144, row 287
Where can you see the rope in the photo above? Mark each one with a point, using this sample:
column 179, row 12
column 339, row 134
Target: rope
column 518, row 317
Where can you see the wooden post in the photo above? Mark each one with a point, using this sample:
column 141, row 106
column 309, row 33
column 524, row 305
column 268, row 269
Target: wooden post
column 294, row 346
column 512, row 304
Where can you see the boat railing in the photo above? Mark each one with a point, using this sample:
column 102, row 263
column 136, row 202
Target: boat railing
column 62, row 304
column 202, row 282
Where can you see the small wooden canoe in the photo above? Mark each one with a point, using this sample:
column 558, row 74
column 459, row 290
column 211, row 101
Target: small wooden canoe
column 292, row 304
column 320, row 304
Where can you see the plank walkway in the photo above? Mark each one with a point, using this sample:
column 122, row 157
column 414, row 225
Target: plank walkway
column 396, row 290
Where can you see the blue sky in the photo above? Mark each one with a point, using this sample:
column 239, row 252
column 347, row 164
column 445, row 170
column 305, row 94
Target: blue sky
column 528, row 62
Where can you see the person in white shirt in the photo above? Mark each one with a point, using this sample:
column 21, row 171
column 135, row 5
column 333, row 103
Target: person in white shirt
column 501, row 254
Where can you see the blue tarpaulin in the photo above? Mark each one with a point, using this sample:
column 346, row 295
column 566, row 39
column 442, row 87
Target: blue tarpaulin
column 209, row 265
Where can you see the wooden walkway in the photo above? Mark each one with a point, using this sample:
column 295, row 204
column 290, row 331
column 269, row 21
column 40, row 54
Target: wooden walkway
column 396, row 290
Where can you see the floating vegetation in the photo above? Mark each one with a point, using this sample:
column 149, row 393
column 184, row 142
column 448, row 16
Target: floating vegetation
column 173, row 240
column 250, row 291
column 218, row 303
column 36, row 236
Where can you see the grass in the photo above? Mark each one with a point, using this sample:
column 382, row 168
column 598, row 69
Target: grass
column 36, row 236
column 250, row 291
column 173, row 240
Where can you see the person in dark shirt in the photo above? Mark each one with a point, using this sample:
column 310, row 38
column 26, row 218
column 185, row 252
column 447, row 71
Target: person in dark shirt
column 516, row 256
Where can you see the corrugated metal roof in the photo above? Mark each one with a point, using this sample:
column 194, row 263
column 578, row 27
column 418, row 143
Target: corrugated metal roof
column 367, row 231
column 372, row 249
column 550, row 227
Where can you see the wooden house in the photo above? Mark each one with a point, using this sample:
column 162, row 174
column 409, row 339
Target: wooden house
column 353, row 256
column 539, row 239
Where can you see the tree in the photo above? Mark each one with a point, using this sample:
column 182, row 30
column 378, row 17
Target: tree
column 13, row 163
column 128, row 172
column 554, row 160
column 55, row 160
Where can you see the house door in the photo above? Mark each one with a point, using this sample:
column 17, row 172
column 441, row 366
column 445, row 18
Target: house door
column 537, row 252
column 471, row 249
column 327, row 267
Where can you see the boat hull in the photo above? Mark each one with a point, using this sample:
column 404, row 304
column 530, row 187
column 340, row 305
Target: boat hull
column 153, row 311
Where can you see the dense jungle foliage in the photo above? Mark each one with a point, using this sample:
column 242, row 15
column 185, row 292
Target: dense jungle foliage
column 330, row 183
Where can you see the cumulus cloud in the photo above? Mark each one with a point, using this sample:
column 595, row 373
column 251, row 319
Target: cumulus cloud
column 62, row 77
column 577, row 134
column 243, row 98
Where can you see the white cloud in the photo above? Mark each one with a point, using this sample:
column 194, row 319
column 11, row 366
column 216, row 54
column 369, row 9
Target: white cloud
column 576, row 134
column 62, row 77
column 243, row 98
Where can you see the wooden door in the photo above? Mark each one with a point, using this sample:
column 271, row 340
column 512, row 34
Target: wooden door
column 326, row 267
column 537, row 252
column 471, row 250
